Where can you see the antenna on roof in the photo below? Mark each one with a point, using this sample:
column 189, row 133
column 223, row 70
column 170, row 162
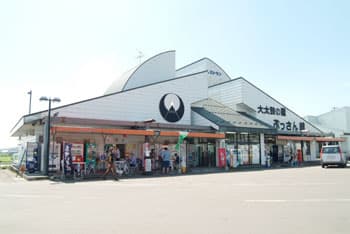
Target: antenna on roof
column 140, row 56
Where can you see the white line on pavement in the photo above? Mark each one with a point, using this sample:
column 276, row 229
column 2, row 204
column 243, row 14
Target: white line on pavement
column 300, row 200
column 265, row 201
column 29, row 196
column 281, row 184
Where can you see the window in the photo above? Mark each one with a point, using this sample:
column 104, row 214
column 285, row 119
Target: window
column 330, row 150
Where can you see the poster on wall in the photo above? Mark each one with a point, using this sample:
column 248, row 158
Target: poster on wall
column 230, row 156
column 32, row 157
column 90, row 154
column 146, row 149
column 67, row 157
column 222, row 157
column 55, row 156
column 77, row 153
column 244, row 154
column 256, row 154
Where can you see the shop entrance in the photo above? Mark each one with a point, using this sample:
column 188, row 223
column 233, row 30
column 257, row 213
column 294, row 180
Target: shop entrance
column 275, row 153
column 202, row 155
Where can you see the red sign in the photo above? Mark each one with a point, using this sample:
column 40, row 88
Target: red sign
column 222, row 157
column 78, row 158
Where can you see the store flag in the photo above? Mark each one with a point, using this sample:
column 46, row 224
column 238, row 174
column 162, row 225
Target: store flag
column 182, row 136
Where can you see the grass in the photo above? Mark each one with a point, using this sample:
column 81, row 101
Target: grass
column 5, row 159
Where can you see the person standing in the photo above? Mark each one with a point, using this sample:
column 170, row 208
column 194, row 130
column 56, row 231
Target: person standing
column 166, row 160
column 177, row 162
column 116, row 153
column 110, row 165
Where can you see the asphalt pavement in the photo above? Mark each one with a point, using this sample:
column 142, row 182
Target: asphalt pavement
column 292, row 200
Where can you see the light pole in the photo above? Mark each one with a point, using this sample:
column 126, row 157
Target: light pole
column 47, row 142
column 30, row 101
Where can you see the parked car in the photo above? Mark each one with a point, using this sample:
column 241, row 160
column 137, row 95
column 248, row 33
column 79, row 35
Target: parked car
column 332, row 155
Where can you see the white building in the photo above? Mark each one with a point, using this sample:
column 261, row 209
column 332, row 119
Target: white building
column 147, row 107
column 335, row 123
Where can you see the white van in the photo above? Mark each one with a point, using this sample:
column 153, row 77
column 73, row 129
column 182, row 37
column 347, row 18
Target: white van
column 332, row 155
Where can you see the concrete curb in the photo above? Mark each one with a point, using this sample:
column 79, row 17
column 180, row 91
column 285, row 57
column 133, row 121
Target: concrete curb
column 26, row 176
column 33, row 177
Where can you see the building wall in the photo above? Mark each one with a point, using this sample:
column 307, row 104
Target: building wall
column 337, row 122
column 240, row 95
column 198, row 120
column 229, row 93
column 215, row 73
column 338, row 119
column 142, row 103
column 256, row 99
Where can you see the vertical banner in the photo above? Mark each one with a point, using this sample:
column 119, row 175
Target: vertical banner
column 146, row 149
column 67, row 158
column 183, row 157
column 90, row 155
column 32, row 157
column 222, row 157
column 77, row 153
column 78, row 157
column 146, row 154
column 55, row 156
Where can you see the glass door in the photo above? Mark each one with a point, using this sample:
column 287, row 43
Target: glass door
column 211, row 155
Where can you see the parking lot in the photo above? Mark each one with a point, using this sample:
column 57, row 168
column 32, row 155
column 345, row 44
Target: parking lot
column 292, row 200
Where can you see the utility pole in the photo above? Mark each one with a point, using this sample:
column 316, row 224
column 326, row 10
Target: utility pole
column 30, row 101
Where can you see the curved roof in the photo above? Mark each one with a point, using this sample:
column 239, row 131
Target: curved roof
column 158, row 68
column 119, row 83
column 216, row 74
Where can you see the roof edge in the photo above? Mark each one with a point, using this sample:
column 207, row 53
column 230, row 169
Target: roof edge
column 144, row 62
column 204, row 58
column 118, row 92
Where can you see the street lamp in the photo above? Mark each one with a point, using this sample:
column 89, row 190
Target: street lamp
column 47, row 145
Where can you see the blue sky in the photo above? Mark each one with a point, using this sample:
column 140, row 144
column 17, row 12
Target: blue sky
column 296, row 51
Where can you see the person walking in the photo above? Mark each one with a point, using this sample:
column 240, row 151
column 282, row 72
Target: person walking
column 110, row 165
column 166, row 160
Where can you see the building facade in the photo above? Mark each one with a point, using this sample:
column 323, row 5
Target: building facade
column 335, row 123
column 230, row 122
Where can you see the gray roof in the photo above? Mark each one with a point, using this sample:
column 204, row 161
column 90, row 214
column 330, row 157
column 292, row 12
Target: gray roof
column 228, row 119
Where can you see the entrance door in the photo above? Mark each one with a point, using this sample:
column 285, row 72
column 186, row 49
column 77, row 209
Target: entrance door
column 211, row 155
column 201, row 156
column 206, row 155
column 275, row 153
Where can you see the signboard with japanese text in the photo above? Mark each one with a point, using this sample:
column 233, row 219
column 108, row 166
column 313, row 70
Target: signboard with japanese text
column 242, row 96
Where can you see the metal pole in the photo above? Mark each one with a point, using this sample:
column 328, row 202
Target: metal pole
column 48, row 137
column 30, row 101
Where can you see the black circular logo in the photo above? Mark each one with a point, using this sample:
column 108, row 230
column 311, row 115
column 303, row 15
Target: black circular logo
column 171, row 107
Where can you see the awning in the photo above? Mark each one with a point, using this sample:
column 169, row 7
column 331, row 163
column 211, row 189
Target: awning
column 150, row 132
column 295, row 138
column 329, row 139
column 305, row 138
column 195, row 134
column 111, row 131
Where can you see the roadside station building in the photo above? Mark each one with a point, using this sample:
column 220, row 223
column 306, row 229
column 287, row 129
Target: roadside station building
column 229, row 121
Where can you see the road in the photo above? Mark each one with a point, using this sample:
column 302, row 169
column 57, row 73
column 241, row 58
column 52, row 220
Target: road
column 293, row 200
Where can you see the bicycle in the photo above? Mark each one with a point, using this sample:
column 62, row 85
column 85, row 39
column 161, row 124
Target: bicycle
column 122, row 168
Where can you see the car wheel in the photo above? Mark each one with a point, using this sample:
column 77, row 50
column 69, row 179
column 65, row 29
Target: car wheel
column 323, row 165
